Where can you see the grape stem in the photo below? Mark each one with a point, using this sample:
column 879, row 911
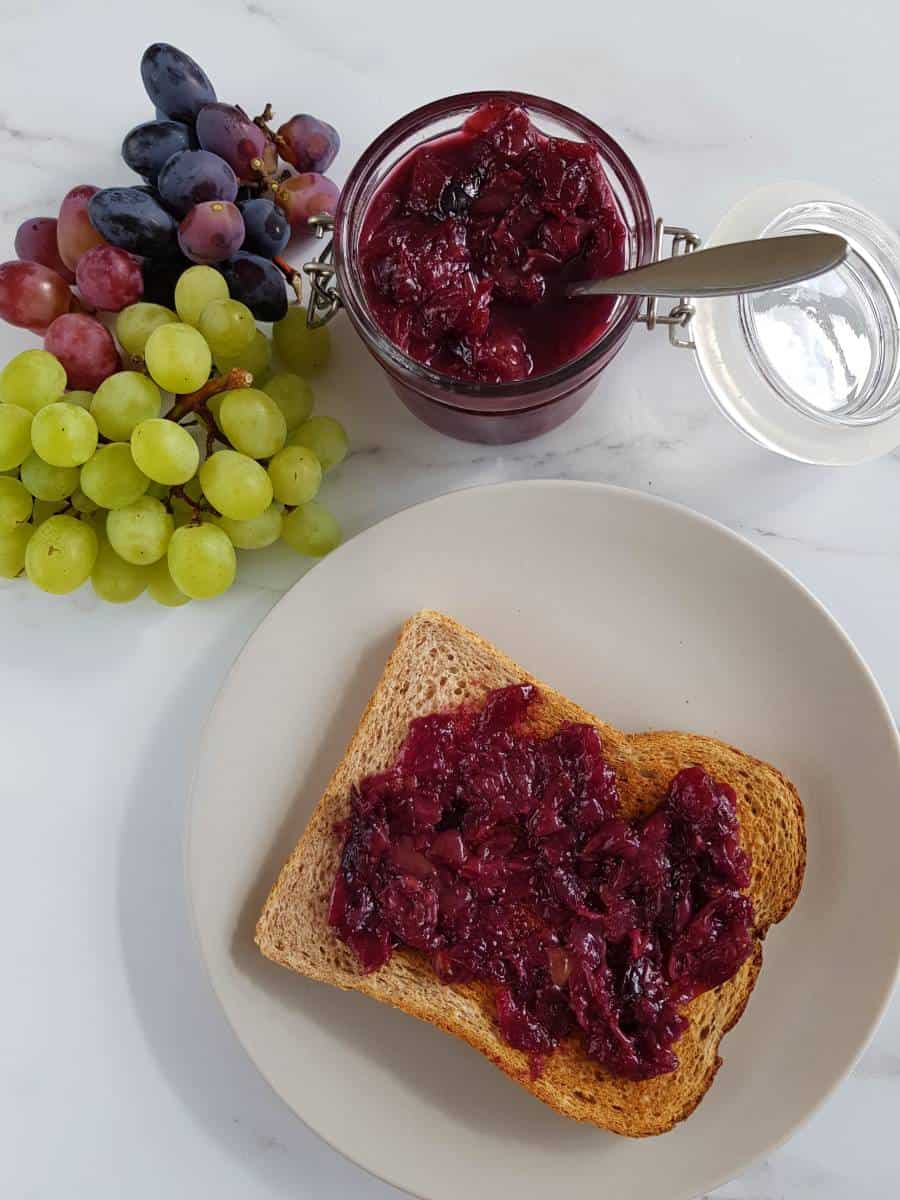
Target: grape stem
column 263, row 122
column 195, row 402
column 266, row 180
column 197, row 506
column 211, row 434
column 291, row 274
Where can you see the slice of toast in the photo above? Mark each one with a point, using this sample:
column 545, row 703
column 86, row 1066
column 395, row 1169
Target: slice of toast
column 438, row 665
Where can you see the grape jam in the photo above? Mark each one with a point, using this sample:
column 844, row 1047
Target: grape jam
column 504, row 858
column 466, row 244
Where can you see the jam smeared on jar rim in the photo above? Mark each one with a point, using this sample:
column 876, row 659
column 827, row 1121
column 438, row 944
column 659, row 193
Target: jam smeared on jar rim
column 466, row 244
column 502, row 856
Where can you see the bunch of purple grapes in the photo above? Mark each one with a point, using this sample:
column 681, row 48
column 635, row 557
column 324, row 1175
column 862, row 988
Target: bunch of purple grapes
column 220, row 189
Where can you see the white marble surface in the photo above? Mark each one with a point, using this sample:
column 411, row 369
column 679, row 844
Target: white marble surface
column 118, row 1075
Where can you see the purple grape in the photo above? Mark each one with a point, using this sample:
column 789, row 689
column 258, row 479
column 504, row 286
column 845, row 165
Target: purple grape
column 75, row 231
column 160, row 278
column 190, row 177
column 227, row 131
column 307, row 195
column 109, row 278
column 257, row 283
column 148, row 146
column 267, row 227
column 308, row 143
column 31, row 295
column 36, row 242
column 132, row 219
column 149, row 190
column 175, row 83
column 211, row 232
column 85, row 348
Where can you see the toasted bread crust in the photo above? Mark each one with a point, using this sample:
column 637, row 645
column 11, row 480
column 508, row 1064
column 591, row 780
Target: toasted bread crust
column 437, row 664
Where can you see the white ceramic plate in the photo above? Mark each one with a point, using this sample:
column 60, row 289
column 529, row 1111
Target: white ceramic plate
column 646, row 614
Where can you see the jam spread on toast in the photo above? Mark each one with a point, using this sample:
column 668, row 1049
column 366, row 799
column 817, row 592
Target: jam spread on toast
column 500, row 853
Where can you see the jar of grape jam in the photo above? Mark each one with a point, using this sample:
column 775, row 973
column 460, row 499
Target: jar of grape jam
column 454, row 235
column 460, row 226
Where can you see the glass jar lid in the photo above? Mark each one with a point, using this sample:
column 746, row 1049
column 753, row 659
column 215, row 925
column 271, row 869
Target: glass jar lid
column 811, row 370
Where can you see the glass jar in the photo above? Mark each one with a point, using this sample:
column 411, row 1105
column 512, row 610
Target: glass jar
column 812, row 370
column 488, row 412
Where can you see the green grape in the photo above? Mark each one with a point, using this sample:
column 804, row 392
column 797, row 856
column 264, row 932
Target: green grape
column 46, row 482
column 214, row 403
column 159, row 491
column 254, row 358
column 123, row 401
column 177, row 358
column 311, row 529
column 161, row 586
column 293, row 396
column 296, row 475
column 15, row 435
column 235, row 485
column 256, row 533
column 82, row 503
column 115, row 580
column 299, row 347
column 15, row 504
column 82, row 399
column 140, row 532
column 197, row 287
column 43, row 509
column 252, row 422
column 135, row 323
column 13, row 544
column 227, row 325
column 64, row 435
column 60, row 554
column 165, row 451
column 202, row 561
column 111, row 478
column 32, row 379
column 326, row 438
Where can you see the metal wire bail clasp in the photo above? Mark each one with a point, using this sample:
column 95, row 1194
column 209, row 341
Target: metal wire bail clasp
column 679, row 316
column 324, row 300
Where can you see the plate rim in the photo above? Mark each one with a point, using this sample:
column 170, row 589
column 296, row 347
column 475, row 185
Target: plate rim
column 597, row 486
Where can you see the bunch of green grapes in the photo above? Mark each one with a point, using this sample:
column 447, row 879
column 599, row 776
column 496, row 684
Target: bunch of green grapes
column 154, row 481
